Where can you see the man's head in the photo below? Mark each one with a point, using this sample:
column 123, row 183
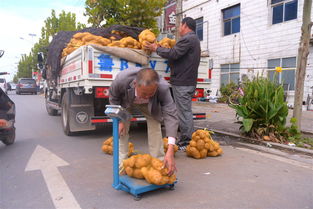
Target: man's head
column 187, row 25
column 146, row 83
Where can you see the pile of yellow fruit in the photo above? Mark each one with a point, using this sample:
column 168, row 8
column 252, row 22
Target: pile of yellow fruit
column 127, row 42
column 149, row 168
column 107, row 146
column 165, row 145
column 202, row 145
column 167, row 43
column 80, row 39
column 146, row 36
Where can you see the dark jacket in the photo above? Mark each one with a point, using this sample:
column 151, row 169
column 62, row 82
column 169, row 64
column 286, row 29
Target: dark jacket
column 161, row 105
column 184, row 59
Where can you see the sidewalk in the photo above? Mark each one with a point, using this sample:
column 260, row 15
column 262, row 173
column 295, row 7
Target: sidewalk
column 221, row 117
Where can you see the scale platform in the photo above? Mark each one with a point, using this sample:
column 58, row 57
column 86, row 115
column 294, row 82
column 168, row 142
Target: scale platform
column 139, row 186
column 131, row 185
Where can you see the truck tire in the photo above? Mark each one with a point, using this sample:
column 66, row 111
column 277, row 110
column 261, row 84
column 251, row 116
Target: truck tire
column 65, row 114
column 10, row 138
column 50, row 111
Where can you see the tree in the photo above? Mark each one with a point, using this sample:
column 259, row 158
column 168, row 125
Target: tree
column 136, row 13
column 25, row 67
column 65, row 22
column 303, row 53
column 53, row 24
column 15, row 79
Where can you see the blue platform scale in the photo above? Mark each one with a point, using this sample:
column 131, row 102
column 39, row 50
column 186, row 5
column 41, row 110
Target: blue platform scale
column 123, row 182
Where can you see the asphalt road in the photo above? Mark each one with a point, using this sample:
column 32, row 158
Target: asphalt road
column 240, row 178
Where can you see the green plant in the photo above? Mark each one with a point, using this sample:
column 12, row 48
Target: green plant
column 293, row 135
column 293, row 131
column 226, row 91
column 262, row 110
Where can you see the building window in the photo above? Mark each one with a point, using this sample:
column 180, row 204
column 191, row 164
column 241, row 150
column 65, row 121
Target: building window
column 230, row 73
column 231, row 20
column 199, row 28
column 287, row 76
column 284, row 10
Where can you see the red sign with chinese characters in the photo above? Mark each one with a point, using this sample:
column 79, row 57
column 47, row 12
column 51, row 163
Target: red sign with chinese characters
column 170, row 17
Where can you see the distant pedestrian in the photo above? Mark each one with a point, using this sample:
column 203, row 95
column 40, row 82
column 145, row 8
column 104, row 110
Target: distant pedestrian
column 184, row 59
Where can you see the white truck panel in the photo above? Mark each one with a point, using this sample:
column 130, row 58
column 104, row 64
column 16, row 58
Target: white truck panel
column 88, row 67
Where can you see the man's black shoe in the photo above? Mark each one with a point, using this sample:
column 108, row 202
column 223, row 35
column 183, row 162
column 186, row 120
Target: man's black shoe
column 182, row 143
column 183, row 148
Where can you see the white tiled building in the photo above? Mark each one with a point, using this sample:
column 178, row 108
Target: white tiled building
column 247, row 37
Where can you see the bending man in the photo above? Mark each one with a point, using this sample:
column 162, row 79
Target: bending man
column 143, row 90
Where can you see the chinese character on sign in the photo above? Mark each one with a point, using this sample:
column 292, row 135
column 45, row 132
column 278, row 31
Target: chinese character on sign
column 172, row 18
column 105, row 63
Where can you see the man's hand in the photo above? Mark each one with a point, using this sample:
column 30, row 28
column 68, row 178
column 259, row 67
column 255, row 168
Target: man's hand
column 169, row 161
column 151, row 46
column 121, row 129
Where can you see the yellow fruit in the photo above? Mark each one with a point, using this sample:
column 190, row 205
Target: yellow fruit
column 143, row 161
column 194, row 152
column 203, row 145
column 200, row 144
column 129, row 171
column 107, row 146
column 203, row 153
column 219, row 151
column 167, row 43
column 193, row 143
column 152, row 170
column 137, row 173
column 212, row 154
column 216, row 145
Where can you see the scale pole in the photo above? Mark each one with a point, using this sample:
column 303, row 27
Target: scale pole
column 116, row 175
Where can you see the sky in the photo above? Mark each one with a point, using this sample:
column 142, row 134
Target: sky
column 20, row 26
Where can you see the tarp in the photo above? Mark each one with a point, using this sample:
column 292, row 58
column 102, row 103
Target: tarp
column 62, row 38
column 132, row 55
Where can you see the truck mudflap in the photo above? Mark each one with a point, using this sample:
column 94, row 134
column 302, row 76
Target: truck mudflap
column 76, row 111
column 136, row 118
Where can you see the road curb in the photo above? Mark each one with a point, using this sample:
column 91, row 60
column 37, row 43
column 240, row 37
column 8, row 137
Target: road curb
column 267, row 144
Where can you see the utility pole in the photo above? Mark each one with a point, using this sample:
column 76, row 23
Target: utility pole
column 303, row 53
column 179, row 14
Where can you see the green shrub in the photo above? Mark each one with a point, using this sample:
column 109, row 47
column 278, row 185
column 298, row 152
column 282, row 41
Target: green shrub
column 226, row 91
column 292, row 134
column 262, row 110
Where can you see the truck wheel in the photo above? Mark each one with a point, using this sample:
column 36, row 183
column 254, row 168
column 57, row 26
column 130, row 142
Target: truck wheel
column 50, row 111
column 65, row 115
column 10, row 138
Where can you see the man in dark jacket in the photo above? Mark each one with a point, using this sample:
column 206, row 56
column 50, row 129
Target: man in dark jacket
column 184, row 59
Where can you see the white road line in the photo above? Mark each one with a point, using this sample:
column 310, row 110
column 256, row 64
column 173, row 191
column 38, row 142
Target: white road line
column 275, row 157
column 48, row 163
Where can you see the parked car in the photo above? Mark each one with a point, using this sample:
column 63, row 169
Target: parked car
column 7, row 119
column 11, row 86
column 3, row 85
column 26, row 85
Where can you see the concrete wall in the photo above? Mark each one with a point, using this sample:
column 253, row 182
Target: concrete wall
column 257, row 41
